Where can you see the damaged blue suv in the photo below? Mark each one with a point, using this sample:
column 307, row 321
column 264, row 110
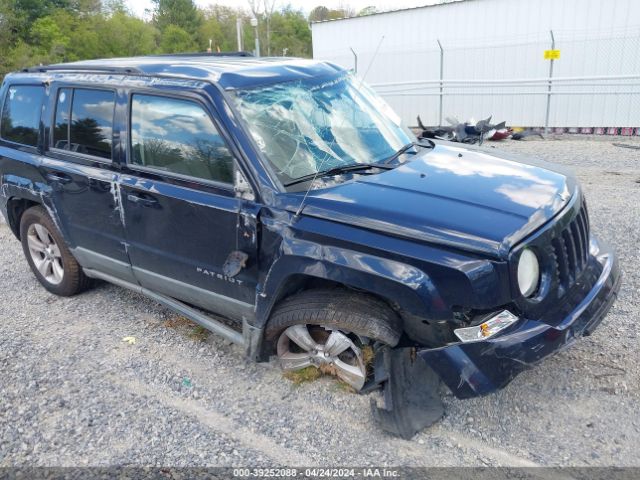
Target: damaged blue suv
column 280, row 204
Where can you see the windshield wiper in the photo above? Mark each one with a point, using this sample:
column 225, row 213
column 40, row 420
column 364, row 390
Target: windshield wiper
column 404, row 149
column 353, row 167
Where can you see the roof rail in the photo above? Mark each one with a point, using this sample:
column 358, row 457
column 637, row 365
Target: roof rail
column 206, row 54
column 81, row 68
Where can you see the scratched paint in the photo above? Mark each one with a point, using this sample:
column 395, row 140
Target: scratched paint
column 117, row 200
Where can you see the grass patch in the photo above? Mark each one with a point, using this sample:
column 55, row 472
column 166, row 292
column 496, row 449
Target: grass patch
column 310, row 374
column 368, row 355
column 304, row 375
column 178, row 321
column 342, row 386
column 194, row 331
column 199, row 334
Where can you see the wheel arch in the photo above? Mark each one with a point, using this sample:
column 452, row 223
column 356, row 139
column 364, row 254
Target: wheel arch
column 21, row 192
column 405, row 289
column 16, row 206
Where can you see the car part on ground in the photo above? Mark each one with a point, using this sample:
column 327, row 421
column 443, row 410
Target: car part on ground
column 528, row 132
column 501, row 134
column 470, row 132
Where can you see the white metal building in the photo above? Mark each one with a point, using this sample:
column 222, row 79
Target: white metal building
column 493, row 60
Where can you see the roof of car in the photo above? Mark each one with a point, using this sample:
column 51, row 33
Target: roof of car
column 230, row 71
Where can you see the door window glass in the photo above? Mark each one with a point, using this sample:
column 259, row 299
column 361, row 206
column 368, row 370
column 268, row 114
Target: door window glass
column 178, row 136
column 21, row 114
column 84, row 121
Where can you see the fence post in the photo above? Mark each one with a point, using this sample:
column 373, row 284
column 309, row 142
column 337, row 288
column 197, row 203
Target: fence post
column 355, row 61
column 441, row 83
column 546, row 121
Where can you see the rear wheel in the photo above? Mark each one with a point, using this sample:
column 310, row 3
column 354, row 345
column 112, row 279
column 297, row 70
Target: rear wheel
column 48, row 256
column 332, row 330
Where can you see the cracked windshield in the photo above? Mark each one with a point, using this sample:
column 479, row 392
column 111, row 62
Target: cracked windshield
column 304, row 127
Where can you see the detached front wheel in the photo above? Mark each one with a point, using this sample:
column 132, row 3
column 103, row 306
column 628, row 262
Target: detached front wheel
column 331, row 329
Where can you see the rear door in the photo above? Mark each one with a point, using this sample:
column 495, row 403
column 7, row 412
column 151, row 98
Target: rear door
column 78, row 164
column 182, row 216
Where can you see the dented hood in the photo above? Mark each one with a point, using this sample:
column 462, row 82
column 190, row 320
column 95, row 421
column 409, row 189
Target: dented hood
column 463, row 198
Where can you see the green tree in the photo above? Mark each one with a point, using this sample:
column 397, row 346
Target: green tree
column 319, row 14
column 290, row 33
column 224, row 18
column 176, row 40
column 79, row 39
column 34, row 32
column 211, row 29
column 125, row 35
column 180, row 13
column 367, row 11
column 48, row 37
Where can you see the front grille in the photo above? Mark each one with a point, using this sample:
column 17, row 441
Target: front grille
column 571, row 249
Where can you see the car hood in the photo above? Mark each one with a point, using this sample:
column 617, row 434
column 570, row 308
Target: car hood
column 460, row 197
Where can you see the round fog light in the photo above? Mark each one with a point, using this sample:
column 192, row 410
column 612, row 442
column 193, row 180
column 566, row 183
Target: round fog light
column 528, row 273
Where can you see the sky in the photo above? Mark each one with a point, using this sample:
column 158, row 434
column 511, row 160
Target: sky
column 138, row 6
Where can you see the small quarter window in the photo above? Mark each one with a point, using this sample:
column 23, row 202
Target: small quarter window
column 84, row 121
column 21, row 114
column 178, row 136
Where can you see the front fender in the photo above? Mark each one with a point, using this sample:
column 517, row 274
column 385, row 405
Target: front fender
column 406, row 287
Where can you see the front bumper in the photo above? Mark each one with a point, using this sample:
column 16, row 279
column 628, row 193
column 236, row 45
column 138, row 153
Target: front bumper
column 479, row 368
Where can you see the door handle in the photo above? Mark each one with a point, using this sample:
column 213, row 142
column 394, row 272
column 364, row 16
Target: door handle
column 62, row 178
column 144, row 201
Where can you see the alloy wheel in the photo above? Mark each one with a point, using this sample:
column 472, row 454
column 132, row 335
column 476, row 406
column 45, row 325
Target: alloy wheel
column 332, row 351
column 45, row 253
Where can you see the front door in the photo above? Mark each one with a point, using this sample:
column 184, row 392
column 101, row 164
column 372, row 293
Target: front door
column 182, row 217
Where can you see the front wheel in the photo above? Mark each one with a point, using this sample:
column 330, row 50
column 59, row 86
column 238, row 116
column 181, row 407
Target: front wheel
column 331, row 330
column 48, row 255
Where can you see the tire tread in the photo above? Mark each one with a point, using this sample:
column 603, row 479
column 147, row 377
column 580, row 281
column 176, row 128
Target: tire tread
column 356, row 312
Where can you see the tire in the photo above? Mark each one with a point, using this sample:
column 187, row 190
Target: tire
column 329, row 329
column 43, row 244
column 358, row 313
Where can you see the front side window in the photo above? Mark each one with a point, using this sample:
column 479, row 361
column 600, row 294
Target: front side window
column 306, row 126
column 84, row 121
column 21, row 114
column 178, row 136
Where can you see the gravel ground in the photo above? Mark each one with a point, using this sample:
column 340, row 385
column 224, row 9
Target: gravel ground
column 73, row 393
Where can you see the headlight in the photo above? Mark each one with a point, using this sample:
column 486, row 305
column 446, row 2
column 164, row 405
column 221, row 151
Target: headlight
column 528, row 273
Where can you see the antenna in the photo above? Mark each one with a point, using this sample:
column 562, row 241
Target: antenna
column 313, row 181
column 375, row 54
column 299, row 211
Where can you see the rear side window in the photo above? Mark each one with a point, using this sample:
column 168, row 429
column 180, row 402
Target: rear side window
column 21, row 114
column 84, row 121
column 178, row 136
